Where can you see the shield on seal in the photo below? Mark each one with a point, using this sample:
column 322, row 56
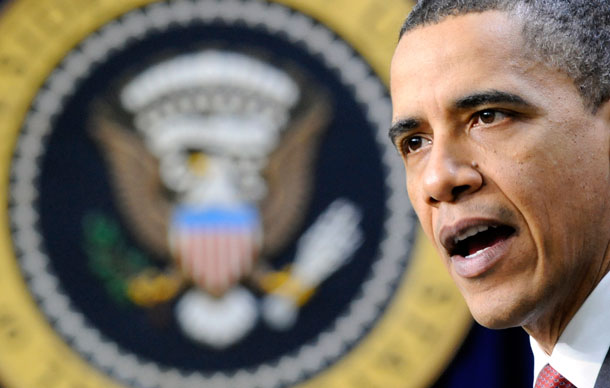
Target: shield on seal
column 215, row 246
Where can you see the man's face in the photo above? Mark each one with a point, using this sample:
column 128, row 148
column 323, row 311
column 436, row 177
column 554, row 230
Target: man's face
column 506, row 168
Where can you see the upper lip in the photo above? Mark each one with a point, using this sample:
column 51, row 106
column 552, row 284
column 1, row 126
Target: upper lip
column 450, row 235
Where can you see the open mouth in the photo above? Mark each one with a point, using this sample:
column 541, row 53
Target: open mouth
column 478, row 238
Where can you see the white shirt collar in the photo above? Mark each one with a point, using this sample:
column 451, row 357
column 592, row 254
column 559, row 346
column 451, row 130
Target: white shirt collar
column 582, row 347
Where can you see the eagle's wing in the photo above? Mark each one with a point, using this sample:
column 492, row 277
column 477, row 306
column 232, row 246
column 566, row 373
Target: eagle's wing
column 289, row 175
column 137, row 185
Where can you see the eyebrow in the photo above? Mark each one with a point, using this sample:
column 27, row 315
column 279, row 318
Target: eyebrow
column 490, row 97
column 471, row 101
column 402, row 126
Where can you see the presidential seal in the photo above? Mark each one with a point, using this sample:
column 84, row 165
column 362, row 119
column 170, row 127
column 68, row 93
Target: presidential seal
column 202, row 193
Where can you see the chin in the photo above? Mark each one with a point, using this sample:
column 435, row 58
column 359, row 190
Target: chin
column 498, row 314
column 494, row 322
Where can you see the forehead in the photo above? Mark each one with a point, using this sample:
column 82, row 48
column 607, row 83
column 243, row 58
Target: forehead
column 457, row 55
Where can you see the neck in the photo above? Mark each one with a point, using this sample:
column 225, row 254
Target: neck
column 547, row 327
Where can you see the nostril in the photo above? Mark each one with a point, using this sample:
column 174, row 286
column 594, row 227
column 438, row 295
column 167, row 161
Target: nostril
column 432, row 201
column 457, row 190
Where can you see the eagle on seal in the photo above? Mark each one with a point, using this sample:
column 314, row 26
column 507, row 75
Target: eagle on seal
column 218, row 172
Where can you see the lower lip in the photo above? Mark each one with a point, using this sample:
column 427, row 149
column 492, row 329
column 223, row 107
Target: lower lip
column 482, row 261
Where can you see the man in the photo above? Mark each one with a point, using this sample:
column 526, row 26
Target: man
column 502, row 118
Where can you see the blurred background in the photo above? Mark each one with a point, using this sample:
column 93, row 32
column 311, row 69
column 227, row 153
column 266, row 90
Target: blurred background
column 202, row 193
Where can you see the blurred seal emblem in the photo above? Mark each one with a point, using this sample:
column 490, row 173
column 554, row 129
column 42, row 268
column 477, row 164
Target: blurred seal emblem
column 201, row 193
column 214, row 141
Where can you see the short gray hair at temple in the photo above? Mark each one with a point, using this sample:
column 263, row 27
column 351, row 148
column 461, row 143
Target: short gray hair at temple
column 572, row 36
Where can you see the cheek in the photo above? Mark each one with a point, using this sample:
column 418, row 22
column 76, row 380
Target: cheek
column 411, row 190
column 422, row 209
column 556, row 185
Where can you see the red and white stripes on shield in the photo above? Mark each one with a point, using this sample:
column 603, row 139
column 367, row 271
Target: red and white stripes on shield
column 215, row 248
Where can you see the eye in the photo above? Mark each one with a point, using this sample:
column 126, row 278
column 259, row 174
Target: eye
column 414, row 143
column 488, row 117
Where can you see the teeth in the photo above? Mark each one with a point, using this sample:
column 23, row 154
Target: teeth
column 471, row 232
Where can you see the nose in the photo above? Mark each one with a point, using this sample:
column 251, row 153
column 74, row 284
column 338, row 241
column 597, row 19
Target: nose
column 450, row 174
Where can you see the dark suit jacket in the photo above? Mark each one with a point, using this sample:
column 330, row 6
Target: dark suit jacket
column 603, row 378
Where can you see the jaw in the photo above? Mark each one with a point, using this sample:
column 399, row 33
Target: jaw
column 534, row 299
column 499, row 307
